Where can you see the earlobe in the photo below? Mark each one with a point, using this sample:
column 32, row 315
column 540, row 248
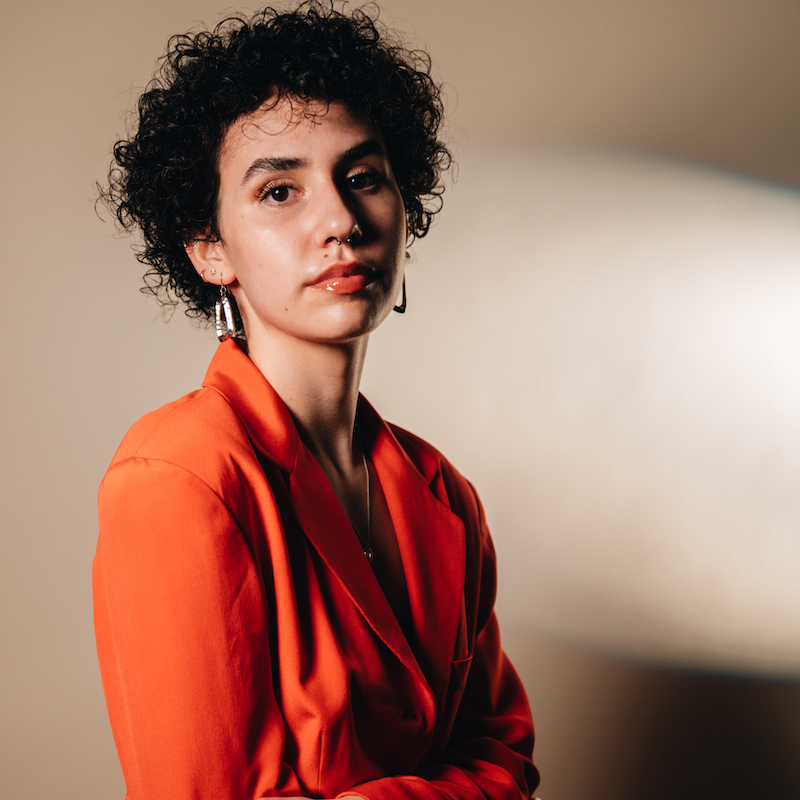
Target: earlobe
column 208, row 259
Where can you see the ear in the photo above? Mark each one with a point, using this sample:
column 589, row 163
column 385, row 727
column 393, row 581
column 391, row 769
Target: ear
column 210, row 261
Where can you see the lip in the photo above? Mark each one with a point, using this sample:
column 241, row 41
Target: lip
column 344, row 278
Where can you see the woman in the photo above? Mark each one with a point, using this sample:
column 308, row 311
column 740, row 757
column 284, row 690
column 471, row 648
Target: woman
column 293, row 598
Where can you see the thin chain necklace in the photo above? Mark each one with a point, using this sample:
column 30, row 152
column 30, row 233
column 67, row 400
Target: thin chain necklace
column 366, row 549
column 369, row 553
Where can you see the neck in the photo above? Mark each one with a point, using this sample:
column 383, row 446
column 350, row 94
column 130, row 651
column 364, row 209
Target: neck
column 319, row 384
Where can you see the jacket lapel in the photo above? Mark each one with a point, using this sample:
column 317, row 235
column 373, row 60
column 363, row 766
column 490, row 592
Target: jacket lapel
column 429, row 535
column 432, row 545
column 329, row 531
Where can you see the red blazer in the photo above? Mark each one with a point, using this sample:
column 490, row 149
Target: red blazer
column 245, row 645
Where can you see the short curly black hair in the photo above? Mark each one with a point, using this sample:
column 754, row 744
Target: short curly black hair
column 164, row 180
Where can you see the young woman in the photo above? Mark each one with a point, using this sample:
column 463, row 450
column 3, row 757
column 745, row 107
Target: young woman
column 292, row 597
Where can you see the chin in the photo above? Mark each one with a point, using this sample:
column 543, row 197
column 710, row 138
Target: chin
column 347, row 326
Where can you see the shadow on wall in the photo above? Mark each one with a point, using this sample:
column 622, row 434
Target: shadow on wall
column 606, row 344
column 610, row 350
column 610, row 729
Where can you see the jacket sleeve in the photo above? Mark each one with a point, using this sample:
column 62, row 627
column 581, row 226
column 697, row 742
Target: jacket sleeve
column 182, row 639
column 488, row 753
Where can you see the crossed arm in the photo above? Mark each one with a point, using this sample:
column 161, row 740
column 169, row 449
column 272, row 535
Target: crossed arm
column 183, row 644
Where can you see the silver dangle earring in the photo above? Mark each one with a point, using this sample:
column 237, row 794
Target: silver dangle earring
column 223, row 307
column 401, row 309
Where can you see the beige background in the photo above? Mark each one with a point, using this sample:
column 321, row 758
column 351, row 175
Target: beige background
column 620, row 712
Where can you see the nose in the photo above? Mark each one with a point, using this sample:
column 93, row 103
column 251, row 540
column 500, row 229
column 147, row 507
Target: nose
column 337, row 222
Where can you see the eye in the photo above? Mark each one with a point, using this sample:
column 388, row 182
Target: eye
column 365, row 179
column 275, row 193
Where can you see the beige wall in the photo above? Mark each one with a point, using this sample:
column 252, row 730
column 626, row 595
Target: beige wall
column 715, row 81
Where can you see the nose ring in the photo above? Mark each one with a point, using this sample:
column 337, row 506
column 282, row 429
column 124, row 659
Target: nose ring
column 349, row 240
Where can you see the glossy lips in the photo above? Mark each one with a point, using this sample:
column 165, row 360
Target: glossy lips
column 344, row 278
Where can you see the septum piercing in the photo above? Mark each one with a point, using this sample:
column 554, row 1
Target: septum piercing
column 349, row 239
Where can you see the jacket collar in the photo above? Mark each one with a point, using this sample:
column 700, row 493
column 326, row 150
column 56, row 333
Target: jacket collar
column 263, row 414
column 271, row 427
column 430, row 537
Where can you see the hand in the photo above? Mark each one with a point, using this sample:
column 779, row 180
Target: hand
column 344, row 797
column 267, row 797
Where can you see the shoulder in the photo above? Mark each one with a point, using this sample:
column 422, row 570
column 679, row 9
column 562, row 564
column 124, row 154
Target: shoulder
column 181, row 428
column 418, row 450
column 199, row 434
column 445, row 480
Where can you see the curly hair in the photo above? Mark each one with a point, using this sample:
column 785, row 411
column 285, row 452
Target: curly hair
column 164, row 180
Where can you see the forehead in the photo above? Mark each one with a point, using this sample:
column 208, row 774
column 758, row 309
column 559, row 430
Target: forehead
column 290, row 121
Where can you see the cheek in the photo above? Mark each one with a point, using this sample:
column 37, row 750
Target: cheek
column 271, row 270
column 402, row 220
column 259, row 254
column 392, row 220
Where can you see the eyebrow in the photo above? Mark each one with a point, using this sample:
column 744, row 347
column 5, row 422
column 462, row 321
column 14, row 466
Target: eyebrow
column 272, row 164
column 370, row 147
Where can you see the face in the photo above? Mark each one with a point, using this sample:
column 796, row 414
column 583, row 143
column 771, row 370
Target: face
column 311, row 221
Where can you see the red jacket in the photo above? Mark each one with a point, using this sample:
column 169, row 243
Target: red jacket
column 245, row 645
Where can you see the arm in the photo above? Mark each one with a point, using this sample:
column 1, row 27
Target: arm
column 181, row 626
column 487, row 753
